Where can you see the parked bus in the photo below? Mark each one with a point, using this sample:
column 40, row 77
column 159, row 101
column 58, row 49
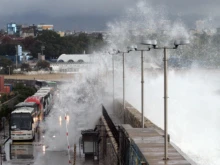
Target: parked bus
column 52, row 84
column 47, row 100
column 46, row 89
column 40, row 83
column 23, row 123
column 39, row 101
column 29, row 104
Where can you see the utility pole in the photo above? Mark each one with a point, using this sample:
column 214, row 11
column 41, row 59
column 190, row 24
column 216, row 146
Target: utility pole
column 16, row 56
column 42, row 49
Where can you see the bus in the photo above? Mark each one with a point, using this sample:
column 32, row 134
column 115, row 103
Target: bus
column 29, row 104
column 23, row 123
column 46, row 89
column 47, row 100
column 52, row 84
column 39, row 101
column 40, row 83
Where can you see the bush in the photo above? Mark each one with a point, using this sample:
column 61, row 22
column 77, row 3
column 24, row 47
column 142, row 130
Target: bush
column 5, row 111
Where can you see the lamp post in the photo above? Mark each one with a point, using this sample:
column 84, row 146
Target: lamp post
column 113, row 77
column 142, row 85
column 123, row 74
column 149, row 42
column 176, row 44
column 9, row 70
column 16, row 57
column 3, row 119
column 113, row 81
column 42, row 49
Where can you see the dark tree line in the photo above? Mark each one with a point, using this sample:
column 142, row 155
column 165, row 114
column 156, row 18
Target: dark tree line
column 54, row 44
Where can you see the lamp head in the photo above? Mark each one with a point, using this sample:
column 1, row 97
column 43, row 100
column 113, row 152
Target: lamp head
column 113, row 51
column 131, row 48
column 181, row 42
column 149, row 42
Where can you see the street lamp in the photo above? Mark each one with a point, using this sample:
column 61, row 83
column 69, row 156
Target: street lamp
column 123, row 62
column 3, row 120
column 9, row 70
column 176, row 44
column 16, row 57
column 149, row 42
column 42, row 49
column 113, row 75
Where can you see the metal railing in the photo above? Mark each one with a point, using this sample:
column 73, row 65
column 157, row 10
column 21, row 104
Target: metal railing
column 111, row 125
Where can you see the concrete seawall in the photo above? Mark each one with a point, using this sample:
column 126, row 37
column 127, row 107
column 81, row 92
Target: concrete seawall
column 132, row 116
column 151, row 152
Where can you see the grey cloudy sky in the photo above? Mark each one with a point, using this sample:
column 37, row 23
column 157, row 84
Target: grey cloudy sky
column 95, row 14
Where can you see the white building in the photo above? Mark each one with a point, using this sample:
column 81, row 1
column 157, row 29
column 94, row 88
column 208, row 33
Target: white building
column 75, row 58
column 74, row 63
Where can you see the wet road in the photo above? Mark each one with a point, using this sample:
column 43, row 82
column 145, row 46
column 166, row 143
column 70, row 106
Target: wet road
column 32, row 153
column 39, row 152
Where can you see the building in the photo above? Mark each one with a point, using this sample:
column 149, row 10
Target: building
column 28, row 32
column 74, row 63
column 21, row 30
column 13, row 58
column 44, row 27
column 75, row 58
column 11, row 28
column 19, row 50
column 62, row 34
column 41, row 57
column 4, row 88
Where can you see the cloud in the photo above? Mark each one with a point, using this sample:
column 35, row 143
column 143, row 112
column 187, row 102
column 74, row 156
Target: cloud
column 97, row 13
column 56, row 8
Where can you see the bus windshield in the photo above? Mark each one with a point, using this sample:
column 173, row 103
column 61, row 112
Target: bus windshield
column 21, row 121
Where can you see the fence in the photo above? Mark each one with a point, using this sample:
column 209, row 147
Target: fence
column 111, row 125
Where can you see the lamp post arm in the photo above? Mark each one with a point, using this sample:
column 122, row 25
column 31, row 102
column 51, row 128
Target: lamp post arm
column 175, row 47
column 142, row 49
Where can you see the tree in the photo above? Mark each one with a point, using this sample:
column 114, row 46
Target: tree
column 24, row 91
column 5, row 65
column 56, row 45
column 52, row 42
column 25, row 67
column 7, row 49
column 42, row 64
column 28, row 42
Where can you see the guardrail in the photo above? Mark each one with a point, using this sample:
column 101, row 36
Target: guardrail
column 111, row 125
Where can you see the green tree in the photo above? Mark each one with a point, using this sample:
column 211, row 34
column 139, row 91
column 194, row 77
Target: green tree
column 5, row 111
column 5, row 65
column 28, row 43
column 25, row 67
column 51, row 40
column 42, row 64
column 56, row 45
column 23, row 91
column 7, row 49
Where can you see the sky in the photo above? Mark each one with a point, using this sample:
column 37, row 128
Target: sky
column 87, row 15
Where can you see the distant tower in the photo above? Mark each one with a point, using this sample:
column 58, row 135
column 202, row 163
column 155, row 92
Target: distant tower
column 11, row 28
column 19, row 48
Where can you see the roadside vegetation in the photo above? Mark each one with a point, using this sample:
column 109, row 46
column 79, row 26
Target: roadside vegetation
column 19, row 90
column 54, row 44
